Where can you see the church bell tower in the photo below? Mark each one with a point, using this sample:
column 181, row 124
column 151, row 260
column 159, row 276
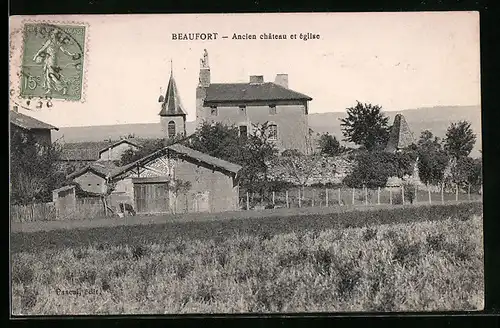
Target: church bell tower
column 172, row 114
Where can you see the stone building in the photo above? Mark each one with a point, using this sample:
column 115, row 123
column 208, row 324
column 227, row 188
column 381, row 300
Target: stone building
column 41, row 131
column 244, row 104
column 149, row 183
column 400, row 136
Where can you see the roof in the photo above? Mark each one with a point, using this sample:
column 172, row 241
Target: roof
column 400, row 136
column 101, row 168
column 185, row 151
column 172, row 105
column 90, row 150
column 83, row 151
column 119, row 142
column 268, row 91
column 28, row 122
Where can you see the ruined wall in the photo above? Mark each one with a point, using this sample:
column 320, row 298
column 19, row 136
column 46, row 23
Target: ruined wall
column 323, row 170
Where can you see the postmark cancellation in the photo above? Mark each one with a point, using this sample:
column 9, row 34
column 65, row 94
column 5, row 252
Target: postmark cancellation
column 52, row 60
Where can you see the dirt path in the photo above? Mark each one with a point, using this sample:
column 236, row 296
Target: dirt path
column 196, row 217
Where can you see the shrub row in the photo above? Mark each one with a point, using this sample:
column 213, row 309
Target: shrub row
column 217, row 229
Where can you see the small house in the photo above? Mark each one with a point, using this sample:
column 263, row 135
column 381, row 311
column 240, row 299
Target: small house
column 93, row 177
column 29, row 125
column 149, row 183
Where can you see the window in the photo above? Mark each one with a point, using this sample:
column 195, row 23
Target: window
column 213, row 110
column 273, row 132
column 243, row 110
column 272, row 109
column 243, row 131
column 171, row 129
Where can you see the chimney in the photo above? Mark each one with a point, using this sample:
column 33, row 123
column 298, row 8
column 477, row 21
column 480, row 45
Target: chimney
column 282, row 79
column 256, row 79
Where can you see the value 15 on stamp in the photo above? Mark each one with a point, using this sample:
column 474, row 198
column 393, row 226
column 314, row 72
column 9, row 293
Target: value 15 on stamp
column 53, row 59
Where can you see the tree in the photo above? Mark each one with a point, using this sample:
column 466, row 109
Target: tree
column 428, row 141
column 372, row 169
column 460, row 139
column 218, row 140
column 467, row 172
column 34, row 170
column 148, row 147
column 256, row 151
column 329, row 145
column 433, row 160
column 366, row 125
column 299, row 167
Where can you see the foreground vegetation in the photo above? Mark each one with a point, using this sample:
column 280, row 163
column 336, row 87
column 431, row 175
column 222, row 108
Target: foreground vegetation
column 161, row 229
column 414, row 266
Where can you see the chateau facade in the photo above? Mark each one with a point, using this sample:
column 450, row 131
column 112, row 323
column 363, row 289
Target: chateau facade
column 255, row 102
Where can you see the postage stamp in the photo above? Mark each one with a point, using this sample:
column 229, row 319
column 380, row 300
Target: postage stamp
column 53, row 59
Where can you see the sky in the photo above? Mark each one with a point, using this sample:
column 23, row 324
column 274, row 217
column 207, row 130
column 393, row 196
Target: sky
column 396, row 60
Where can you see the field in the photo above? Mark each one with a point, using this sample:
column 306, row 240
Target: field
column 406, row 259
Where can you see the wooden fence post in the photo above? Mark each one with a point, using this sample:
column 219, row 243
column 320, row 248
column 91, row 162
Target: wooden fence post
column 390, row 196
column 340, row 197
column 456, row 193
column 378, row 196
column 429, row 191
column 442, row 193
column 352, row 196
column 273, row 199
column 326, row 197
column 300, row 203
column 366, row 195
column 416, row 193
column 402, row 194
column 314, row 195
column 248, row 201
column 468, row 192
column 286, row 196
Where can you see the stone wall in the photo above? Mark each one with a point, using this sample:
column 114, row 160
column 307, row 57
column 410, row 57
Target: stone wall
column 320, row 170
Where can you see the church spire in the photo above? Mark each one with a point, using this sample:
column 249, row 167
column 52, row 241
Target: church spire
column 172, row 105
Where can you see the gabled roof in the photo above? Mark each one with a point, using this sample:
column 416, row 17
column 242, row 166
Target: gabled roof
column 101, row 168
column 400, row 136
column 267, row 91
column 172, row 105
column 28, row 122
column 183, row 151
column 119, row 142
column 90, row 150
column 83, row 151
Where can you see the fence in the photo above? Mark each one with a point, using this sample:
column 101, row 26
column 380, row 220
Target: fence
column 85, row 208
column 321, row 197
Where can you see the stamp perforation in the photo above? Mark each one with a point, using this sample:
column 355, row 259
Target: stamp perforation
column 85, row 61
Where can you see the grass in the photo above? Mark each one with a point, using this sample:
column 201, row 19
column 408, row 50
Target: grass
column 411, row 266
column 219, row 226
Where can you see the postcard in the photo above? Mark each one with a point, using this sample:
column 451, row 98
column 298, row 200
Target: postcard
column 245, row 163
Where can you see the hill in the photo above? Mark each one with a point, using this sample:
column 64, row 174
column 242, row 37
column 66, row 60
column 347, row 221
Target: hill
column 436, row 119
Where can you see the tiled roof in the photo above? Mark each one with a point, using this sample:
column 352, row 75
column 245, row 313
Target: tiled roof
column 83, row 151
column 400, row 136
column 185, row 151
column 28, row 122
column 172, row 104
column 90, row 150
column 101, row 168
column 111, row 145
column 268, row 91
